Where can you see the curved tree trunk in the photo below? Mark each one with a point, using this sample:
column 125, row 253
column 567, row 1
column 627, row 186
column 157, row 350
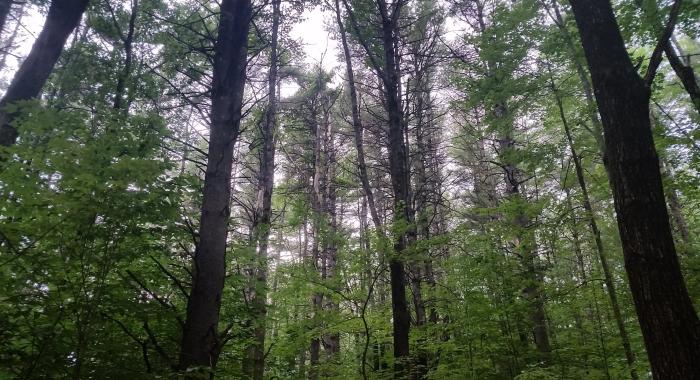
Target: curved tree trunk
column 63, row 17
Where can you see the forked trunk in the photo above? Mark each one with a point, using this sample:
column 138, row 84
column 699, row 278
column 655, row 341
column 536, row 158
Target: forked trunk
column 668, row 321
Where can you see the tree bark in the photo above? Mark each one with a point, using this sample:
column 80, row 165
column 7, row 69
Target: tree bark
column 200, row 337
column 254, row 360
column 63, row 17
column 667, row 318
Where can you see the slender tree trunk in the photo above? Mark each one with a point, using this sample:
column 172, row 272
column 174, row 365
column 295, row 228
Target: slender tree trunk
column 600, row 249
column 200, row 338
column 317, row 207
column 685, row 74
column 331, row 342
column 387, row 68
column 63, row 17
column 667, row 318
column 674, row 205
column 357, row 122
column 580, row 270
column 128, row 41
column 582, row 74
column 254, row 360
column 525, row 243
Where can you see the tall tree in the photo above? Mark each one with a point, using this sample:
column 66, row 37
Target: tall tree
column 387, row 66
column 63, row 17
column 668, row 320
column 254, row 361
column 201, row 341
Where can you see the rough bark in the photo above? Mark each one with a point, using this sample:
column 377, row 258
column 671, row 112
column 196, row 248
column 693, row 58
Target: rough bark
column 668, row 321
column 254, row 360
column 200, row 337
column 63, row 17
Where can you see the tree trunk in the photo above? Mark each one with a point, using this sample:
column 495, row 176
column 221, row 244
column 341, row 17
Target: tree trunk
column 63, row 17
column 331, row 342
column 400, row 182
column 666, row 315
column 128, row 41
column 674, row 204
column 684, row 71
column 200, row 338
column 357, row 123
column 387, row 68
column 254, row 360
column 602, row 255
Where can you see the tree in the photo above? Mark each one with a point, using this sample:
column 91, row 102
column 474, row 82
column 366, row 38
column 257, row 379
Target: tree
column 666, row 314
column 254, row 362
column 201, row 340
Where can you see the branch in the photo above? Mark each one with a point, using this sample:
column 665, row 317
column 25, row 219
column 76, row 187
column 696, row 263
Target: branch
column 365, row 45
column 177, row 282
column 165, row 303
column 142, row 344
column 656, row 56
column 158, row 348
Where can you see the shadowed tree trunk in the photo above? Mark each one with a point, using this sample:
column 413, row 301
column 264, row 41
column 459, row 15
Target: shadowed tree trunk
column 200, row 338
column 666, row 315
column 254, row 360
column 63, row 17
